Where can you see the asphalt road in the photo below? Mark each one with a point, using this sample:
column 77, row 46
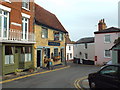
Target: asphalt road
column 64, row 78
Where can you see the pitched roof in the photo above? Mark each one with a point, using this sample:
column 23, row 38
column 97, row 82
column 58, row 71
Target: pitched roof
column 108, row 30
column 46, row 18
column 85, row 40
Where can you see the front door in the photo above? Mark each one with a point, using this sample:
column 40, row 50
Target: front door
column 39, row 58
column 62, row 54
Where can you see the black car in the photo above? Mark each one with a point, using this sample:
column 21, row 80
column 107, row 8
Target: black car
column 107, row 77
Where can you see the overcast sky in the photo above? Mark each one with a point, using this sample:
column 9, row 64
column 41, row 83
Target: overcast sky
column 80, row 17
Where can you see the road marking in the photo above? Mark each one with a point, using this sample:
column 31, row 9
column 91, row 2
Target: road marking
column 76, row 83
column 32, row 75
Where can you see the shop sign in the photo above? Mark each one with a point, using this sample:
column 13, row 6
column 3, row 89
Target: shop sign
column 54, row 43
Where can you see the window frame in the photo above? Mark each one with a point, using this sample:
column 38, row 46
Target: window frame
column 105, row 54
column 3, row 16
column 26, row 2
column 44, row 33
column 24, row 32
column 106, row 37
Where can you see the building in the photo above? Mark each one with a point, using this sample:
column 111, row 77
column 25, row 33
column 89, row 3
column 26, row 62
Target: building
column 116, row 52
column 50, row 38
column 69, row 48
column 104, row 40
column 16, row 35
column 85, row 50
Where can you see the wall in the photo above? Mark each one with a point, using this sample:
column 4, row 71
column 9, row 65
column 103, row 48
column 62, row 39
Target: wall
column 100, row 46
column 69, row 51
column 81, row 48
column 40, row 42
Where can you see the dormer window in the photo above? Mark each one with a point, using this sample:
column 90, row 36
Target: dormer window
column 25, row 4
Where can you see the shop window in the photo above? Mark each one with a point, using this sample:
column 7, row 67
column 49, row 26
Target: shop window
column 56, row 52
column 9, row 57
column 28, row 53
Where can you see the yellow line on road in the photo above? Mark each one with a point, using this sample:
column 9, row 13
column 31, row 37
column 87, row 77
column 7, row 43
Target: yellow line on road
column 32, row 75
column 77, row 83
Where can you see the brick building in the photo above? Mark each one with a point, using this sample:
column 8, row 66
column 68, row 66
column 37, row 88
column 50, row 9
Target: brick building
column 16, row 35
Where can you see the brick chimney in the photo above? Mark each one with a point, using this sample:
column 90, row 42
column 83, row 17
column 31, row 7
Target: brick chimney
column 102, row 25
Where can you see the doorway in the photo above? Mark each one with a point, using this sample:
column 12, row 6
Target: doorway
column 39, row 58
column 62, row 54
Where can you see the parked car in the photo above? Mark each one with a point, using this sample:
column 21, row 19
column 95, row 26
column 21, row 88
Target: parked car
column 107, row 77
column 108, row 63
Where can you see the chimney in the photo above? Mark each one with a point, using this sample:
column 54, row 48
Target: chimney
column 101, row 25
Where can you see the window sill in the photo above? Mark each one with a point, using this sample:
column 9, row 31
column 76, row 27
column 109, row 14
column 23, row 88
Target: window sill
column 25, row 9
column 7, row 1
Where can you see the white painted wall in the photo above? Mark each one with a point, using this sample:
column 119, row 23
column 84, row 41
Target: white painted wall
column 68, row 52
column 81, row 48
column 101, row 46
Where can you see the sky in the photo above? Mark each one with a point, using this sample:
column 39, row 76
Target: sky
column 80, row 17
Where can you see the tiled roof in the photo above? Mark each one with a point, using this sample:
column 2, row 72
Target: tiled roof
column 86, row 40
column 108, row 30
column 47, row 19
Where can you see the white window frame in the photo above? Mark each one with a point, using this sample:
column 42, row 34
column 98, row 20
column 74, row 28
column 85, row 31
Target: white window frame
column 105, row 54
column 23, row 29
column 24, row 7
column 44, row 33
column 107, row 40
column 60, row 36
column 2, row 24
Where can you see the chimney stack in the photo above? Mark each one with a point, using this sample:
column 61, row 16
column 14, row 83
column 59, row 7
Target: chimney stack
column 101, row 25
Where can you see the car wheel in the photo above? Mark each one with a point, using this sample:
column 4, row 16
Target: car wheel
column 92, row 85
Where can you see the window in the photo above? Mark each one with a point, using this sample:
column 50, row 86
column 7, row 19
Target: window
column 25, row 25
column 86, row 56
column 9, row 57
column 70, row 55
column 28, row 53
column 61, row 37
column 56, row 36
column 47, row 52
column 85, row 45
column 56, row 52
column 44, row 33
column 107, row 38
column 109, row 71
column 69, row 47
column 25, row 4
column 4, row 23
column 107, row 53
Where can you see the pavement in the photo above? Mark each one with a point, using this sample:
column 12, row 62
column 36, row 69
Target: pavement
column 25, row 73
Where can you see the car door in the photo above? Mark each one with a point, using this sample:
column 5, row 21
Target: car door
column 108, row 77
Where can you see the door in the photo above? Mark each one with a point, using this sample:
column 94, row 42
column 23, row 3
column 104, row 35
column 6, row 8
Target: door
column 68, row 56
column 17, row 57
column 39, row 58
column 62, row 54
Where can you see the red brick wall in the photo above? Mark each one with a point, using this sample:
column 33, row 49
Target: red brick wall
column 16, row 16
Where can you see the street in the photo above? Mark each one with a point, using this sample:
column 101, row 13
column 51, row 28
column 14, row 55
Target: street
column 64, row 78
